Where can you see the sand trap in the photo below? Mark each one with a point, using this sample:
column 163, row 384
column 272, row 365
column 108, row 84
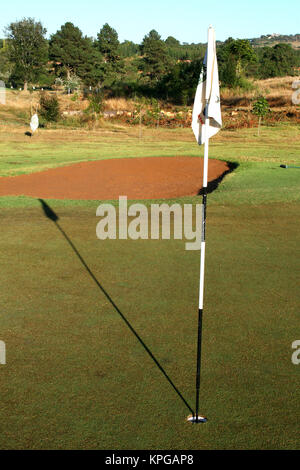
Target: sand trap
column 136, row 178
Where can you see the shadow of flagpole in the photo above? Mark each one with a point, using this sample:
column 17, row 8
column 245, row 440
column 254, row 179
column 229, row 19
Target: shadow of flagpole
column 50, row 214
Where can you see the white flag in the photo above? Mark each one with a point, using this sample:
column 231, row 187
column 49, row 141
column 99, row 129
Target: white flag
column 34, row 123
column 208, row 90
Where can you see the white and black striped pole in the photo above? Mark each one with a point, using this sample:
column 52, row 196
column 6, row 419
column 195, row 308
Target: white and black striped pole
column 202, row 264
column 198, row 418
column 206, row 122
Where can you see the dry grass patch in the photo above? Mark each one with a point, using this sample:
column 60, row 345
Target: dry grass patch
column 278, row 91
column 119, row 104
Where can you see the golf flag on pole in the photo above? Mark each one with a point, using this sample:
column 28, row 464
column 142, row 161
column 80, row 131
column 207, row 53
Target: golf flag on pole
column 34, row 123
column 208, row 91
column 206, row 122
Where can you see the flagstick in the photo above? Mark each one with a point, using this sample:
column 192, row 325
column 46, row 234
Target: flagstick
column 208, row 87
column 202, row 260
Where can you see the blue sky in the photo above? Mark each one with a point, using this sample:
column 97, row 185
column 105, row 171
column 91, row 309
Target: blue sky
column 186, row 20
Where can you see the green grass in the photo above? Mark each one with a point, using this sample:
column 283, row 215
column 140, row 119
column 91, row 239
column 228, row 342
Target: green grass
column 259, row 182
column 258, row 178
column 20, row 154
column 78, row 378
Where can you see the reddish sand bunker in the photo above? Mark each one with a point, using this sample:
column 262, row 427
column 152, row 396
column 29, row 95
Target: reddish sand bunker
column 136, row 178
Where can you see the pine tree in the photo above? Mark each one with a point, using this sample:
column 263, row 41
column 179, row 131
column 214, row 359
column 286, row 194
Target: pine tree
column 108, row 45
column 155, row 58
column 27, row 48
column 75, row 54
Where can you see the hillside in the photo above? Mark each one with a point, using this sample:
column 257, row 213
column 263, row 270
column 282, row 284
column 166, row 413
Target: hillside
column 274, row 38
column 236, row 109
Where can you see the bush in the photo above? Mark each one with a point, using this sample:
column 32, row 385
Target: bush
column 49, row 108
column 72, row 84
column 95, row 101
column 245, row 85
column 261, row 107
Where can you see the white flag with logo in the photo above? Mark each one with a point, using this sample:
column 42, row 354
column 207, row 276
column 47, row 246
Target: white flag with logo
column 34, row 123
column 208, row 91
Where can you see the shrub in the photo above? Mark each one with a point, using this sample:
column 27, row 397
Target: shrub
column 72, row 83
column 95, row 101
column 246, row 85
column 49, row 108
column 260, row 108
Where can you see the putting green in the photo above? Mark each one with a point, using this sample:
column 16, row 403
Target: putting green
column 78, row 377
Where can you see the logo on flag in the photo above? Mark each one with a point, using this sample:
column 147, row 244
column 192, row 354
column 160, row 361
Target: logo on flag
column 207, row 95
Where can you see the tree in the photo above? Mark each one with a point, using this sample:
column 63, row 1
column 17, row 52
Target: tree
column 5, row 65
column 234, row 56
column 108, row 45
column 74, row 53
column 243, row 54
column 128, row 49
column 174, row 49
column 180, row 83
column 27, row 48
column 155, row 59
column 49, row 107
column 172, row 42
column 260, row 108
column 277, row 61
